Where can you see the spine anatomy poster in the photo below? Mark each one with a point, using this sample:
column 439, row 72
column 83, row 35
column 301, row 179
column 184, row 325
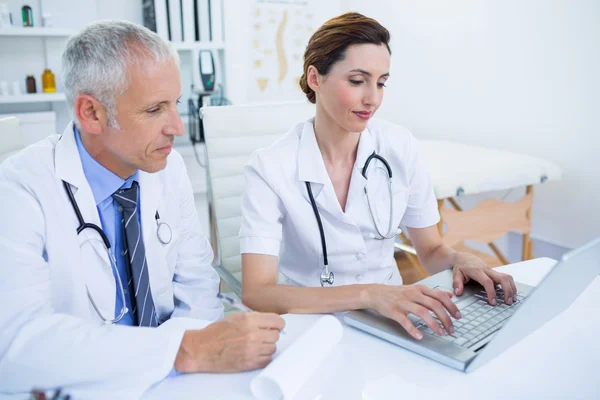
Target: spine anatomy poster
column 280, row 30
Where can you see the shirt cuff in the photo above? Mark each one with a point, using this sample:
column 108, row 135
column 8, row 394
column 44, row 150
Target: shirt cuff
column 422, row 220
column 179, row 326
column 259, row 245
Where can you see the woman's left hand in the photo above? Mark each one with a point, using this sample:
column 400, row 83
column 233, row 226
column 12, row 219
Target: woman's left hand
column 467, row 267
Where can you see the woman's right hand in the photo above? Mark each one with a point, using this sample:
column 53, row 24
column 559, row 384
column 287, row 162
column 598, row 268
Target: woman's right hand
column 396, row 302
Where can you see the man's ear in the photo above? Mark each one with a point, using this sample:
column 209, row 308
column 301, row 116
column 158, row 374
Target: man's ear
column 91, row 114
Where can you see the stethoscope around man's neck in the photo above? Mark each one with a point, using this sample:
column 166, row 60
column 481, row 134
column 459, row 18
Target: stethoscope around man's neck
column 163, row 231
column 327, row 277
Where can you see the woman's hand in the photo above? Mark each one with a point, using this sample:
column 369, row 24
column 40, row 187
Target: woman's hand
column 467, row 267
column 396, row 302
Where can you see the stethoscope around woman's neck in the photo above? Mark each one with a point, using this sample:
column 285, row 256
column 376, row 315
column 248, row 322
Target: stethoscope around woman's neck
column 327, row 277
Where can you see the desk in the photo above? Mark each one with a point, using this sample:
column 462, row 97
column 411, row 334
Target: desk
column 561, row 360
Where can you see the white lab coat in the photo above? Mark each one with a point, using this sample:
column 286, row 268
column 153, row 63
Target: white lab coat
column 50, row 335
column 277, row 217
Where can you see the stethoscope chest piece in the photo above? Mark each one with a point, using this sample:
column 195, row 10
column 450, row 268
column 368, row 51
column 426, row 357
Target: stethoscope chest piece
column 326, row 277
column 164, row 233
column 163, row 230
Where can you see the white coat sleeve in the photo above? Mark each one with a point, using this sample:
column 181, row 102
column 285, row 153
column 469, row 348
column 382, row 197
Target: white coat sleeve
column 42, row 348
column 262, row 212
column 421, row 211
column 195, row 282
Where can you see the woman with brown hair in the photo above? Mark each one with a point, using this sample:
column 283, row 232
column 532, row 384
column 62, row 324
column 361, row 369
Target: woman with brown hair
column 323, row 204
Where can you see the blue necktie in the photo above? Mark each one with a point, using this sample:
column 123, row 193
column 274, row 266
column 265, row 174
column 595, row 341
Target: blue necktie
column 139, row 279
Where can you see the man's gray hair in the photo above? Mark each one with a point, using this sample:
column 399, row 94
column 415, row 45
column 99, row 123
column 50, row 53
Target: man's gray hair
column 96, row 60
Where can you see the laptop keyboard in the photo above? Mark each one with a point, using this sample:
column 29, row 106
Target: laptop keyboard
column 479, row 319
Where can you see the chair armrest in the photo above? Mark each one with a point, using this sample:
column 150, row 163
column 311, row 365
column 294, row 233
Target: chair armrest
column 229, row 280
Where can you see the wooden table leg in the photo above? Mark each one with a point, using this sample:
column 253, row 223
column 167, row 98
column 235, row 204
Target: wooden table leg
column 414, row 260
column 527, row 244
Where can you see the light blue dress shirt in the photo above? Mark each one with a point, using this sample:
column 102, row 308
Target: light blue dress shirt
column 103, row 184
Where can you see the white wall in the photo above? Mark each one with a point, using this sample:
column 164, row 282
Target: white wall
column 130, row 10
column 516, row 75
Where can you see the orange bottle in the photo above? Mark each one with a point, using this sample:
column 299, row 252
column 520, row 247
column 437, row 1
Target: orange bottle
column 48, row 82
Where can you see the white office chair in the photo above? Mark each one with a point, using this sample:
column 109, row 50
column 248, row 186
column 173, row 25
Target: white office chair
column 232, row 134
column 11, row 140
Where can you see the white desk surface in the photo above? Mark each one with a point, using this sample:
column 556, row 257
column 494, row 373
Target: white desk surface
column 561, row 360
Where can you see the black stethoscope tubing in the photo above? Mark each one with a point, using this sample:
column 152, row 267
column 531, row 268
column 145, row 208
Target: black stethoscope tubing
column 377, row 157
column 321, row 231
column 82, row 224
column 326, row 276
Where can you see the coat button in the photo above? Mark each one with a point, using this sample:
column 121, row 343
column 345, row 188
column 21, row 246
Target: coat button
column 360, row 256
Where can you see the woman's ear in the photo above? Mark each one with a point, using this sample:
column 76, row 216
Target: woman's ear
column 313, row 79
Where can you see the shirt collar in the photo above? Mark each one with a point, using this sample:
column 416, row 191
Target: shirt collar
column 102, row 181
column 311, row 167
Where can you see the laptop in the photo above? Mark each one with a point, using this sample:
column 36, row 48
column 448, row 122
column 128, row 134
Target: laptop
column 484, row 331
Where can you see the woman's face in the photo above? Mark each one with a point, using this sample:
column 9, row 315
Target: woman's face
column 352, row 91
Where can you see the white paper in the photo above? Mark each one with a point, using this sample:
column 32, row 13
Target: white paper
column 288, row 372
column 204, row 20
column 160, row 13
column 175, row 18
column 189, row 21
column 216, row 16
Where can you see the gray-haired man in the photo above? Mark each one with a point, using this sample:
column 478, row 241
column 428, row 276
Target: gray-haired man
column 95, row 296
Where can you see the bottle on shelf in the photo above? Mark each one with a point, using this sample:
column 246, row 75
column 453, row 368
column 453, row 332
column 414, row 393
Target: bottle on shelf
column 16, row 88
column 47, row 20
column 48, row 82
column 4, row 88
column 27, row 15
column 30, row 84
column 5, row 20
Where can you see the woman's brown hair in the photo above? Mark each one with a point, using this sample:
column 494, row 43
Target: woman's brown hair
column 329, row 43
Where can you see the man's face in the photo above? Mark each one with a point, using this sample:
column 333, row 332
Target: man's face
column 148, row 120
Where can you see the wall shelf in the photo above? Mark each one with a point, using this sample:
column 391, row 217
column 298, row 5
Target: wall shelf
column 36, row 32
column 33, row 98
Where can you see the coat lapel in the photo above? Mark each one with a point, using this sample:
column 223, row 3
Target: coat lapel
column 311, row 168
column 94, row 257
column 150, row 193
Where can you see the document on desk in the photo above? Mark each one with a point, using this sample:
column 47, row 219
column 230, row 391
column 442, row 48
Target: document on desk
column 292, row 367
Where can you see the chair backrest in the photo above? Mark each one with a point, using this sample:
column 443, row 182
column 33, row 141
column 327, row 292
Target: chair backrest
column 11, row 140
column 232, row 134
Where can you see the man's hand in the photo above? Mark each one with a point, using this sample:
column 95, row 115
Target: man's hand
column 468, row 266
column 240, row 342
